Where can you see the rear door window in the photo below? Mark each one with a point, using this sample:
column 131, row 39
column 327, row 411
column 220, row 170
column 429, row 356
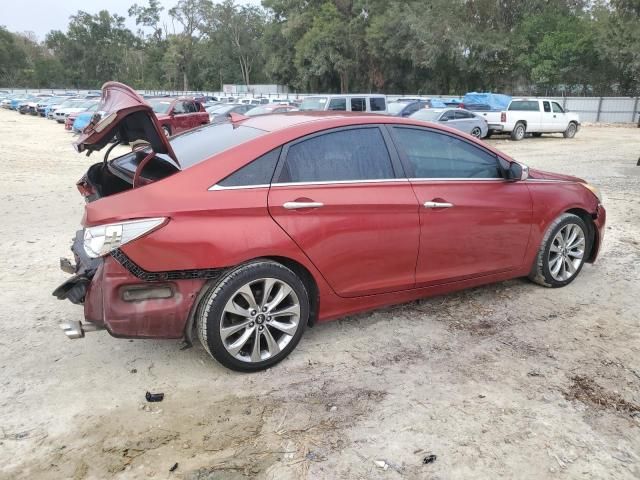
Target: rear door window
column 429, row 154
column 358, row 105
column 546, row 106
column 344, row 155
column 339, row 104
column 378, row 104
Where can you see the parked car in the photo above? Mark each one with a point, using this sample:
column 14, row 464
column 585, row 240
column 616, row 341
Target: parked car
column 404, row 109
column 73, row 106
column 41, row 106
column 488, row 105
column 78, row 121
column 6, row 102
column 270, row 108
column 345, row 103
column 536, row 116
column 179, row 114
column 223, row 112
column 50, row 109
column 265, row 225
column 457, row 118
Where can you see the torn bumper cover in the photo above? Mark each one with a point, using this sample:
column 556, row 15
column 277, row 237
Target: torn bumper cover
column 117, row 297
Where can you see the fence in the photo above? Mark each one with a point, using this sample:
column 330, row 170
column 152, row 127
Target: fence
column 590, row 109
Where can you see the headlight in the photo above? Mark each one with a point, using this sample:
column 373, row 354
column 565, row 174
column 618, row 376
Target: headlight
column 102, row 239
column 594, row 190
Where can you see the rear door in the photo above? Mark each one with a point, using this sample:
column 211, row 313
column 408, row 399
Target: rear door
column 180, row 117
column 341, row 197
column 473, row 222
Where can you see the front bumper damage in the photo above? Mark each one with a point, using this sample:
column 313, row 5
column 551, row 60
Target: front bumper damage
column 117, row 295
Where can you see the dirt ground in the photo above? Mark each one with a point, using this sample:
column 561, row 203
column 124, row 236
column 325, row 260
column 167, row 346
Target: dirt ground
column 510, row 380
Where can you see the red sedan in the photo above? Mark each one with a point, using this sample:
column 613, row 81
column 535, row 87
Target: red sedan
column 179, row 114
column 249, row 231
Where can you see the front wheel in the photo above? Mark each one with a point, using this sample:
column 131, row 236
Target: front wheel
column 571, row 130
column 476, row 132
column 166, row 130
column 254, row 317
column 562, row 252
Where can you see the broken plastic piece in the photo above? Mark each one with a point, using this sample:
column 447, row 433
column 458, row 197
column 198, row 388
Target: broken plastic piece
column 429, row 459
column 154, row 397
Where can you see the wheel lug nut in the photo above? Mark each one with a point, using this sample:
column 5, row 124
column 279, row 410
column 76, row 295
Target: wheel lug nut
column 260, row 328
column 268, row 319
column 251, row 324
column 253, row 312
column 264, row 309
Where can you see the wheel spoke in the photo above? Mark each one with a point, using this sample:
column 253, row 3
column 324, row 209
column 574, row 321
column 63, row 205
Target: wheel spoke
column 554, row 248
column 233, row 307
column 236, row 346
column 255, row 350
column 570, row 267
column 578, row 242
column 272, row 345
column 248, row 295
column 286, row 328
column 269, row 283
column 573, row 234
column 555, row 265
column 287, row 311
column 576, row 253
column 283, row 292
column 225, row 332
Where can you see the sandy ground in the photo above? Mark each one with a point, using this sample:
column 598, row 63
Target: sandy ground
column 505, row 381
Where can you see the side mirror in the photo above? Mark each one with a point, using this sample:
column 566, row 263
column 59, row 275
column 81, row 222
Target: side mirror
column 517, row 172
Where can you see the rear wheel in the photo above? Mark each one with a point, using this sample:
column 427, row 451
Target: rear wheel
column 537, row 135
column 518, row 132
column 254, row 317
column 571, row 130
column 476, row 132
column 562, row 252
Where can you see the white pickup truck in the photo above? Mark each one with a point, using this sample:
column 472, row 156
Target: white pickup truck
column 535, row 116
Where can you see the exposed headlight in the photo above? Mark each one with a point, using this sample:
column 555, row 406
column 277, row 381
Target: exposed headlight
column 102, row 239
column 594, row 190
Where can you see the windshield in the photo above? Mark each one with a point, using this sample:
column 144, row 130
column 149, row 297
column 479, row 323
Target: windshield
column 396, row 107
column 313, row 103
column 259, row 111
column 195, row 146
column 224, row 109
column 160, row 106
column 71, row 103
column 427, row 115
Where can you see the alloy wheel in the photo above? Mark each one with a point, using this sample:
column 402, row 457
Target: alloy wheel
column 476, row 132
column 566, row 253
column 260, row 319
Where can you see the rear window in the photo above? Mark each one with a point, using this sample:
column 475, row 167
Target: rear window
column 197, row 145
column 313, row 103
column 378, row 104
column 525, row 106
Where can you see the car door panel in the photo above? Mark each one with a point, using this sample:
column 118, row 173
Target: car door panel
column 472, row 221
column 485, row 230
column 338, row 196
column 363, row 239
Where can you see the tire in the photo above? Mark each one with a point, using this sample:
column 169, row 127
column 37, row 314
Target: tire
column 228, row 305
column 518, row 132
column 571, row 130
column 561, row 266
column 476, row 132
column 167, row 130
column 536, row 135
column 489, row 133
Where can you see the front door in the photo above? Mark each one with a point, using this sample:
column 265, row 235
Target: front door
column 340, row 197
column 560, row 122
column 473, row 222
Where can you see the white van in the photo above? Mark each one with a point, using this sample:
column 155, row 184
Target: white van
column 346, row 103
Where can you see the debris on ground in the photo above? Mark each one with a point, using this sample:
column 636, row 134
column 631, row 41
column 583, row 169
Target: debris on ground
column 174, row 467
column 429, row 459
column 154, row 397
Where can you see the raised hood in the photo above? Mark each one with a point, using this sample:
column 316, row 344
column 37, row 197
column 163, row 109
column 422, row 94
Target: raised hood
column 123, row 113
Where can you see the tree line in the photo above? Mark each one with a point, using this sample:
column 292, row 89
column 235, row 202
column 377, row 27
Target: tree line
column 429, row 46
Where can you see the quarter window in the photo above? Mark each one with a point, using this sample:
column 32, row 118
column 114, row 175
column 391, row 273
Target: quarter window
column 339, row 104
column 435, row 155
column 354, row 154
column 258, row 172
column 358, row 105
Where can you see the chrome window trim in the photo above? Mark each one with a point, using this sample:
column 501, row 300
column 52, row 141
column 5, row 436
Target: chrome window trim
column 341, row 182
column 215, row 187
column 453, row 179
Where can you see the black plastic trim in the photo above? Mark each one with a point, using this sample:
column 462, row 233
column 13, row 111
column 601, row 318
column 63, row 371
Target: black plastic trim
column 142, row 274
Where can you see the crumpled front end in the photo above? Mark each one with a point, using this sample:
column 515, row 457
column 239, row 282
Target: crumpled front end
column 117, row 296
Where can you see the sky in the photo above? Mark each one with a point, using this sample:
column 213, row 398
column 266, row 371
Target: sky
column 41, row 16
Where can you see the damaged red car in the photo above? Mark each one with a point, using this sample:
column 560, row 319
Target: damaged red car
column 247, row 232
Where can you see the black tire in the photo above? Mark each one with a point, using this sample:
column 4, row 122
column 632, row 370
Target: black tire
column 167, row 130
column 571, row 130
column 489, row 133
column 541, row 271
column 536, row 135
column 518, row 132
column 211, row 310
column 476, row 132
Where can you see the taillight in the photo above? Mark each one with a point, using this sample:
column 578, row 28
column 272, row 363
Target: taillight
column 503, row 117
column 85, row 188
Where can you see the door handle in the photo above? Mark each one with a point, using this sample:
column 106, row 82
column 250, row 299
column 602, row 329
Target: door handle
column 438, row 205
column 297, row 205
